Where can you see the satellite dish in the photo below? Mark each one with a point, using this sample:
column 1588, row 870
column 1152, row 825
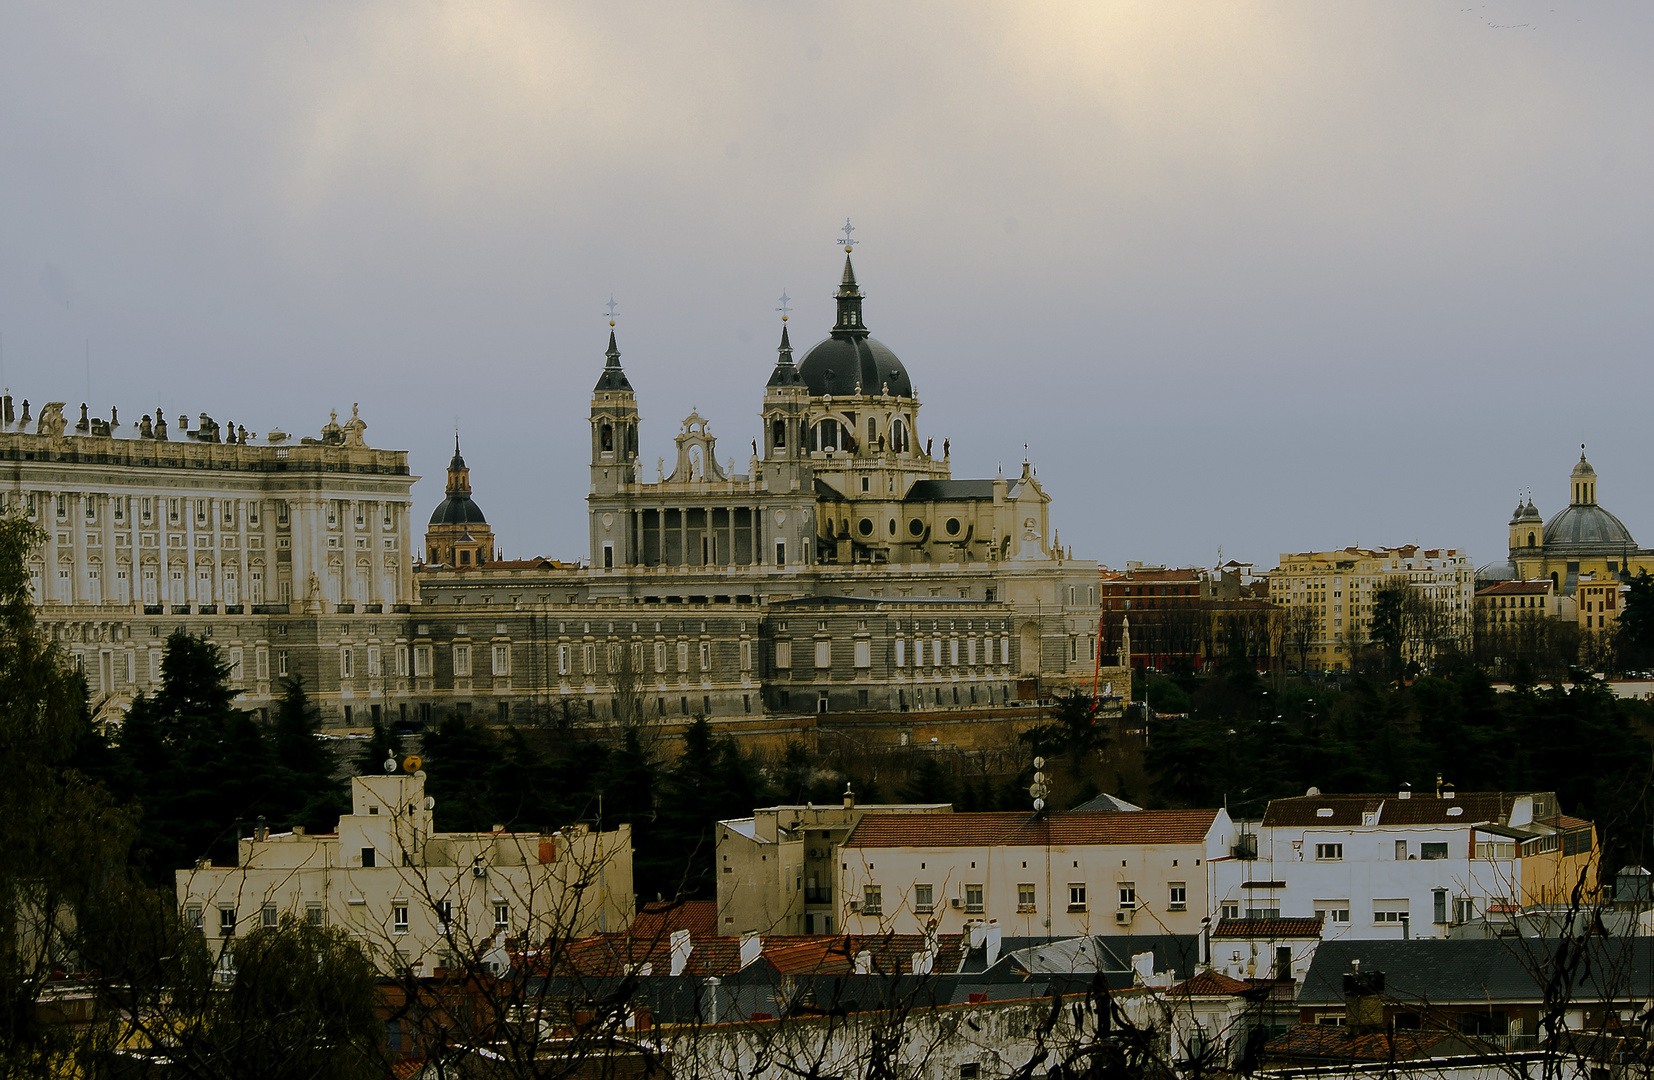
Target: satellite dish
column 390, row 764
column 430, row 803
column 1312, row 791
column 411, row 763
column 1108, row 689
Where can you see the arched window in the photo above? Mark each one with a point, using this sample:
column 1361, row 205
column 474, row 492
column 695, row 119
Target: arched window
column 872, row 430
column 778, row 433
column 1530, row 540
column 607, row 437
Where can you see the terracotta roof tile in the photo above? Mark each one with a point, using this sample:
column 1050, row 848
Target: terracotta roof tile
column 1268, row 928
column 1023, row 830
column 1324, row 1042
column 659, row 919
column 1516, row 588
column 1209, row 984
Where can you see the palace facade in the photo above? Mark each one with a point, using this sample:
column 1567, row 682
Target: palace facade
column 844, row 570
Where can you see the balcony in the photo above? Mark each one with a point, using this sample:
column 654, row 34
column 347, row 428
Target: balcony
column 818, row 896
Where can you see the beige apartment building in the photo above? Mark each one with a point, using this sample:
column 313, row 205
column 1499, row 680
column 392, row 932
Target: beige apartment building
column 1329, row 595
column 776, row 869
column 1143, row 872
column 415, row 898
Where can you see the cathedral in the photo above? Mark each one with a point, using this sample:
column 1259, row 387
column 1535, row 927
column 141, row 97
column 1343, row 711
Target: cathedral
column 843, row 571
column 1582, row 540
column 842, row 476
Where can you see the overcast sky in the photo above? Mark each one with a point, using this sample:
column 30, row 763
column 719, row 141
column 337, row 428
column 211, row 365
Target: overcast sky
column 1268, row 276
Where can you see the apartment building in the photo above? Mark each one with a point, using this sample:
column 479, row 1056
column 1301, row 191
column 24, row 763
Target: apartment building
column 1145, row 872
column 1509, row 605
column 415, row 898
column 776, row 868
column 1405, row 865
column 1329, row 600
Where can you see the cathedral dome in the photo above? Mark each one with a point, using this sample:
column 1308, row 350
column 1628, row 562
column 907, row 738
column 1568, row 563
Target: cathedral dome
column 850, row 358
column 839, row 364
column 1586, row 524
column 458, row 510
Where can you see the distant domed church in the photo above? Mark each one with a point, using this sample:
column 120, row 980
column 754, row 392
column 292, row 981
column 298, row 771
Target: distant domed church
column 458, row 534
column 1581, row 540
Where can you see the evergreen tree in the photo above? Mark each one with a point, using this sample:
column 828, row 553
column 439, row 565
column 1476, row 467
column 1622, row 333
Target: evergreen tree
column 313, row 796
column 384, row 744
column 1635, row 631
column 711, row 780
column 63, row 841
column 196, row 764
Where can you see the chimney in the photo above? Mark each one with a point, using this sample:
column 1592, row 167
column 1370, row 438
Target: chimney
column 1406, row 792
column 681, row 948
column 1363, row 1001
column 298, row 830
column 849, row 798
column 752, row 947
column 260, row 830
column 1447, row 791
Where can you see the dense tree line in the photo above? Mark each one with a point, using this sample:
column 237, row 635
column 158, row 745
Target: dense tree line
column 1245, row 741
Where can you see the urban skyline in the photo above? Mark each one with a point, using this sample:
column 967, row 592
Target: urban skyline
column 1265, row 280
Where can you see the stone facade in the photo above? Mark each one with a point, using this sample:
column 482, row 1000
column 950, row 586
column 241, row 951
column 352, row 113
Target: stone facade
column 709, row 592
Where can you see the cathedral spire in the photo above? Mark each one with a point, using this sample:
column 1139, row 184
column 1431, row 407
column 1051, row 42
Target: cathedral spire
column 459, row 477
column 785, row 374
column 613, row 377
column 849, row 299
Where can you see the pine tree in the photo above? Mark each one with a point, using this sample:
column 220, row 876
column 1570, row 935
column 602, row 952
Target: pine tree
column 384, row 744
column 314, row 797
column 63, row 841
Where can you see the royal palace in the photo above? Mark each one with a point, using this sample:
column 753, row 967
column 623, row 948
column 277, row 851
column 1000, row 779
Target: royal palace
column 844, row 570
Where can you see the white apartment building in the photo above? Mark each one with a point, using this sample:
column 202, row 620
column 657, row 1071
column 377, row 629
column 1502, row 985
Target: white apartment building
column 417, row 899
column 1337, row 589
column 776, row 868
column 1376, row 866
column 1144, row 872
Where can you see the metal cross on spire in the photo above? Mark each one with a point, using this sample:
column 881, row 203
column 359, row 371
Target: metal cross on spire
column 847, row 230
column 784, row 309
column 611, row 305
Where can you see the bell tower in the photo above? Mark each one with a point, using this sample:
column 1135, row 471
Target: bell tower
column 614, row 425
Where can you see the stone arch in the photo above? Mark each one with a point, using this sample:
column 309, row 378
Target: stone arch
column 1028, row 652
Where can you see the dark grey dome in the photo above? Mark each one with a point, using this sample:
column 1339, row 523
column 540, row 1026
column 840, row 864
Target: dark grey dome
column 837, row 364
column 1587, row 525
column 458, row 510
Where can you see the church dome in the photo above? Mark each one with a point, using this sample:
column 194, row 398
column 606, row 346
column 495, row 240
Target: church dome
column 839, row 364
column 850, row 358
column 1586, row 524
column 458, row 510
